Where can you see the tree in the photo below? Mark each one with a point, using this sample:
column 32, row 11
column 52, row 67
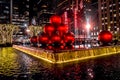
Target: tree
column 34, row 30
column 6, row 32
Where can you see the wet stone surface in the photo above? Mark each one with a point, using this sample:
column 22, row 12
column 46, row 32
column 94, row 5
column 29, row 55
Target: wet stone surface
column 15, row 65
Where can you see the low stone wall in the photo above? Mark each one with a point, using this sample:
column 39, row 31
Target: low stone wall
column 70, row 55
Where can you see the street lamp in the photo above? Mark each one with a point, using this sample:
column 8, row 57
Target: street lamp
column 88, row 32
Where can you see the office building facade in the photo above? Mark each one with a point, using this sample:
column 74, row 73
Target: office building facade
column 109, row 16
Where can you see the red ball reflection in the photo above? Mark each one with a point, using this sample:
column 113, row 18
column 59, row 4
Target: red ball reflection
column 55, row 19
column 49, row 29
column 33, row 39
column 105, row 36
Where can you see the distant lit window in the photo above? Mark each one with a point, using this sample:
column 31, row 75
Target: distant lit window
column 117, row 29
column 114, row 4
column 108, row 29
column 115, row 32
column 111, row 10
column 102, row 18
column 106, row 22
column 110, row 5
column 101, row 7
column 111, row 21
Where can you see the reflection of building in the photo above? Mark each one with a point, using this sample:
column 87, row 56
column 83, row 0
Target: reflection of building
column 4, row 11
column 109, row 14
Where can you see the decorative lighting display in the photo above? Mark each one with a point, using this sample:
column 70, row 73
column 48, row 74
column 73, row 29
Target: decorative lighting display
column 55, row 20
column 44, row 39
column 49, row 29
column 62, row 29
column 105, row 37
column 56, row 35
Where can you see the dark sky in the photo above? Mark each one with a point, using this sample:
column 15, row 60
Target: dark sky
column 94, row 1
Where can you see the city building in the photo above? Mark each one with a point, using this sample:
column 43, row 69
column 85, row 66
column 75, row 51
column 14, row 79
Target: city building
column 20, row 12
column 109, row 14
column 4, row 11
column 43, row 10
column 14, row 12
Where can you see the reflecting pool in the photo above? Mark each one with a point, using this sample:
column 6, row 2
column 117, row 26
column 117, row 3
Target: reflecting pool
column 15, row 65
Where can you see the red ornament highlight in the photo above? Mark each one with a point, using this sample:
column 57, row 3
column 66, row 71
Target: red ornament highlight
column 105, row 36
column 49, row 29
column 55, row 20
column 62, row 29
column 43, row 39
column 56, row 38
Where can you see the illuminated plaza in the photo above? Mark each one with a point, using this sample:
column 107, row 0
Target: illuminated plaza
column 59, row 40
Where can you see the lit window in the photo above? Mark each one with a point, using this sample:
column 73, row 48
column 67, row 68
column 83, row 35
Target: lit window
column 106, row 23
column 101, row 7
column 111, row 22
column 102, row 18
column 110, row 5
column 110, row 10
column 105, row 17
column 115, row 32
column 114, row 15
column 117, row 29
column 108, row 29
column 114, row 4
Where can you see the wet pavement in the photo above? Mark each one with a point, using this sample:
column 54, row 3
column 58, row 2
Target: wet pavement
column 16, row 65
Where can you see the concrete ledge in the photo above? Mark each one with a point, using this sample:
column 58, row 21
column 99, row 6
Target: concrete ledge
column 70, row 55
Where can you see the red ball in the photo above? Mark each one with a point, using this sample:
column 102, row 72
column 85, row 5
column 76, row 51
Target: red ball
column 50, row 47
column 49, row 29
column 33, row 39
column 56, row 38
column 105, row 36
column 62, row 29
column 62, row 47
column 69, row 38
column 43, row 39
column 55, row 19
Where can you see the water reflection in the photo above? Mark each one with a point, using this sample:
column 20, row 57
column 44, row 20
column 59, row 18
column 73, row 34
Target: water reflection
column 15, row 65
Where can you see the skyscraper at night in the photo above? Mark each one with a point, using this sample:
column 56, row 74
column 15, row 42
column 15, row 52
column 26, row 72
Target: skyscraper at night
column 109, row 16
column 4, row 11
column 14, row 12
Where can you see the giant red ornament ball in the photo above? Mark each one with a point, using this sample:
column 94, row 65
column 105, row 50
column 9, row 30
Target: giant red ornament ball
column 33, row 39
column 49, row 29
column 56, row 38
column 69, row 37
column 55, row 19
column 43, row 39
column 62, row 29
column 105, row 36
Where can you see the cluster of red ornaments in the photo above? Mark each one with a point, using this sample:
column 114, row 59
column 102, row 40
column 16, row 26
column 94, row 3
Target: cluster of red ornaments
column 55, row 35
